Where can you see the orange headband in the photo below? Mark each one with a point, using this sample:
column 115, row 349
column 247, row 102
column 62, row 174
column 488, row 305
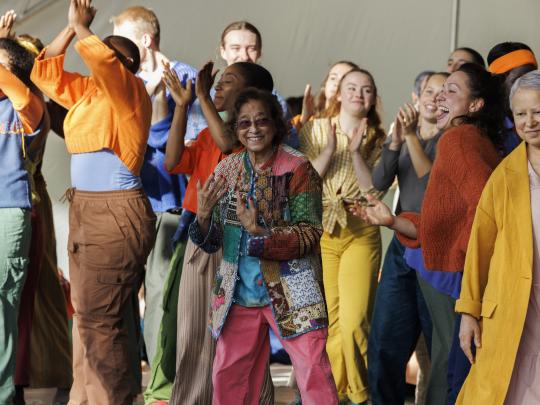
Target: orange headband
column 512, row 60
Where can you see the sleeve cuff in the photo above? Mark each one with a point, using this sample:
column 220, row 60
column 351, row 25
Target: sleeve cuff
column 195, row 233
column 468, row 306
column 47, row 69
column 406, row 241
column 255, row 245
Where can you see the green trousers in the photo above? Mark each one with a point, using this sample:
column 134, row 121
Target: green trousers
column 164, row 362
column 15, row 233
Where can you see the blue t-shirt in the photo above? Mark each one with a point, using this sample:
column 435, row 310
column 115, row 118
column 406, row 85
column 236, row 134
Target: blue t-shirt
column 14, row 178
column 448, row 283
column 101, row 171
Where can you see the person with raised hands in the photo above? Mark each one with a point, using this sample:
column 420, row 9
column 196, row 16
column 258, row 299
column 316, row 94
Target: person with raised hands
column 195, row 347
column 470, row 112
column 404, row 301
column 262, row 206
column 343, row 150
column 111, row 222
column 21, row 114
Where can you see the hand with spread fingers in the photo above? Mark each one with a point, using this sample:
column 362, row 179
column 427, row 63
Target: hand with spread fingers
column 208, row 196
column 205, row 80
column 181, row 94
column 469, row 331
column 308, row 105
column 375, row 212
column 6, row 24
column 358, row 137
column 81, row 14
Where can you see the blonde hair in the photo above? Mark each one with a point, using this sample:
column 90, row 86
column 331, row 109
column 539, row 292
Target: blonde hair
column 144, row 19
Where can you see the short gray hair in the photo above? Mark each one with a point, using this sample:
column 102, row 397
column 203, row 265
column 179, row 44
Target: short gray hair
column 529, row 80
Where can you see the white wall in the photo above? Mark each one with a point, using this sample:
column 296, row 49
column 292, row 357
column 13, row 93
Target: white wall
column 301, row 38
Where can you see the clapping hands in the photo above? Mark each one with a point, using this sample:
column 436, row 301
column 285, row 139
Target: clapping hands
column 181, row 94
column 205, row 80
column 81, row 14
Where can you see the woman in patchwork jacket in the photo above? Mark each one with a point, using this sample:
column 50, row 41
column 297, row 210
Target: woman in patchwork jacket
column 263, row 205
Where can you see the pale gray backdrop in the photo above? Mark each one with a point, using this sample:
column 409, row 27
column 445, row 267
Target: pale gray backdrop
column 394, row 39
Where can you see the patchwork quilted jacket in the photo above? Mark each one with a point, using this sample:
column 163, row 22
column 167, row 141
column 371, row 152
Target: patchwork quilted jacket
column 288, row 198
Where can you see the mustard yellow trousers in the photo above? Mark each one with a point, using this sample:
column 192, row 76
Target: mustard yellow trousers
column 351, row 260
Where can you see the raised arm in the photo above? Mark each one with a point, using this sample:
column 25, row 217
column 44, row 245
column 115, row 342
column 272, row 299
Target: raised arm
column 407, row 121
column 125, row 91
column 48, row 73
column 182, row 98
column 205, row 81
column 28, row 106
column 60, row 43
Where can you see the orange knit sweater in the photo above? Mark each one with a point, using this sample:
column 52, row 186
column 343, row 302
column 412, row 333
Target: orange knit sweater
column 108, row 110
column 464, row 161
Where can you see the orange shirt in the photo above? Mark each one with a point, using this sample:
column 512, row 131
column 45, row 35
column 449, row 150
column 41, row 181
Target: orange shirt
column 199, row 161
column 464, row 161
column 110, row 109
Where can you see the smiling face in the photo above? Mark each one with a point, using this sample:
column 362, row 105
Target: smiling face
column 356, row 94
column 458, row 58
column 526, row 111
column 455, row 100
column 230, row 82
column 255, row 128
column 334, row 76
column 428, row 98
column 240, row 46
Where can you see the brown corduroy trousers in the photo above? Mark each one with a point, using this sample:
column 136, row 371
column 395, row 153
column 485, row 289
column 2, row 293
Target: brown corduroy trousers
column 110, row 236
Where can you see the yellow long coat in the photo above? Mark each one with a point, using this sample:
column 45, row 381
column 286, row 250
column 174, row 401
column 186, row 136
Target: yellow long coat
column 497, row 278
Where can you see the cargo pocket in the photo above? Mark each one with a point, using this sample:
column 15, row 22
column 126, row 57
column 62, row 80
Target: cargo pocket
column 118, row 286
column 12, row 276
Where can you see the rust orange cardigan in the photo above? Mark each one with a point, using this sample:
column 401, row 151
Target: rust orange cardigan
column 109, row 109
column 464, row 161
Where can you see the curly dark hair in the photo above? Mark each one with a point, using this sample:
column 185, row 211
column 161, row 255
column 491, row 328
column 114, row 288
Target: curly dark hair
column 21, row 60
column 269, row 101
column 490, row 117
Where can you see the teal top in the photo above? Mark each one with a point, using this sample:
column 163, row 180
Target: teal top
column 250, row 289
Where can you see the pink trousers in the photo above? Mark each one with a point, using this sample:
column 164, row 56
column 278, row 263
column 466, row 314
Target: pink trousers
column 242, row 354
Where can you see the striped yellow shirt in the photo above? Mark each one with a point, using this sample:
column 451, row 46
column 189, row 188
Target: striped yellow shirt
column 339, row 182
